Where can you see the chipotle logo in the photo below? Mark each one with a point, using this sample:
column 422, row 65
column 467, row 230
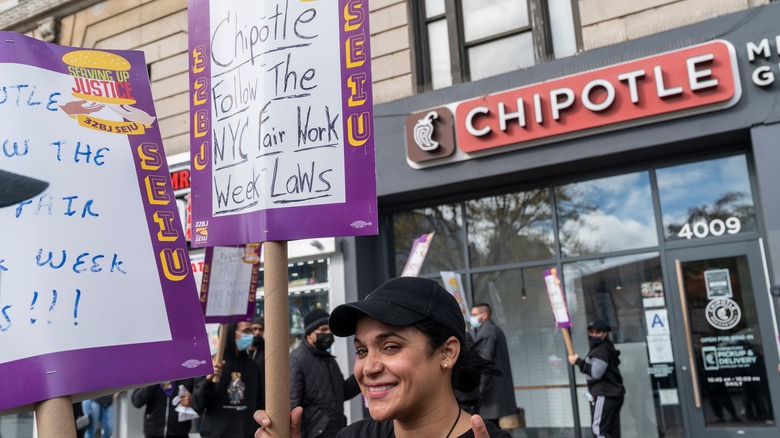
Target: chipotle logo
column 674, row 84
column 430, row 135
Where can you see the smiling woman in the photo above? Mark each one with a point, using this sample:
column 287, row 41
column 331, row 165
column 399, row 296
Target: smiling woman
column 408, row 338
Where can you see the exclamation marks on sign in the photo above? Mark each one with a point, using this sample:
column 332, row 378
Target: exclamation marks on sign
column 32, row 305
column 76, row 307
column 53, row 302
column 51, row 306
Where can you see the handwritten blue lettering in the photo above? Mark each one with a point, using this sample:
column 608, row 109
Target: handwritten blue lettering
column 11, row 149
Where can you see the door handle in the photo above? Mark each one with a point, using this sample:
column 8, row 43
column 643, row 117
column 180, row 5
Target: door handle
column 691, row 360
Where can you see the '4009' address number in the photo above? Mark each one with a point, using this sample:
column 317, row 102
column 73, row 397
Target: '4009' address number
column 715, row 227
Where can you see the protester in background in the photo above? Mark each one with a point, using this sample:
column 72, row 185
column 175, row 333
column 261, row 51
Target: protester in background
column 497, row 393
column 316, row 382
column 605, row 384
column 408, row 337
column 257, row 350
column 77, row 413
column 101, row 412
column 226, row 406
column 161, row 420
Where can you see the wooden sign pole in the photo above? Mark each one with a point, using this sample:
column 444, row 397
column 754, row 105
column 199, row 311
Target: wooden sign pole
column 54, row 418
column 567, row 339
column 277, row 339
column 223, row 336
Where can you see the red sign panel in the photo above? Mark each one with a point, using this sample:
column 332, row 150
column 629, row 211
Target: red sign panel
column 668, row 85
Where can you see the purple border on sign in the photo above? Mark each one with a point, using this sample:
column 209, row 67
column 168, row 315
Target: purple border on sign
column 356, row 217
column 550, row 273
column 90, row 370
column 204, row 291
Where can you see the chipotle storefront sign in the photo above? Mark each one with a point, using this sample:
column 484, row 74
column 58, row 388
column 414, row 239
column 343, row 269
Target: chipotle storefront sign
column 674, row 84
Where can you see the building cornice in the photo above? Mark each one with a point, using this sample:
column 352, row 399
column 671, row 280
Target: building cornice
column 26, row 16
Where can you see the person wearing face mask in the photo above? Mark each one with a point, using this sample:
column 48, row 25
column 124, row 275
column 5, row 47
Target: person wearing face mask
column 605, row 384
column 497, row 393
column 316, row 382
column 226, row 406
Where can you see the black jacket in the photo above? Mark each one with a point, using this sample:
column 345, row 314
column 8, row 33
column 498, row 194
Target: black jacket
column 369, row 428
column 316, row 384
column 161, row 418
column 497, row 392
column 603, row 381
column 220, row 418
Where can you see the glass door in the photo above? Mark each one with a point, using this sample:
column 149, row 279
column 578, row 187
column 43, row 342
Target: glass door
column 725, row 337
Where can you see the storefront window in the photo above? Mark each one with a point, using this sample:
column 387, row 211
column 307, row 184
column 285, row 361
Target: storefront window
column 515, row 227
column 706, row 199
column 520, row 307
column 308, row 288
column 606, row 214
column 447, row 246
column 621, row 291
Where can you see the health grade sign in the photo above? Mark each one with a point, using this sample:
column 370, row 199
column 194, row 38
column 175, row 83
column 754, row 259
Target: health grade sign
column 96, row 287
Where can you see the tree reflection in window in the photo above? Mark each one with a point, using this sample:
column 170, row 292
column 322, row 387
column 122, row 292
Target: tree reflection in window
column 446, row 251
column 700, row 199
column 515, row 227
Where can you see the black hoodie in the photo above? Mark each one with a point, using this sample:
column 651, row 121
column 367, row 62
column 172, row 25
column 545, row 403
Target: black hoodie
column 610, row 382
column 222, row 417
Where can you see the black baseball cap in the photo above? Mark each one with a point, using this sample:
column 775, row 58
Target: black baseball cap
column 399, row 302
column 599, row 324
column 15, row 188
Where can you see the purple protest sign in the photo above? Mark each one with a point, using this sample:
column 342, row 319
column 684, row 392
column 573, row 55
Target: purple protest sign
column 557, row 298
column 229, row 284
column 417, row 255
column 282, row 126
column 97, row 291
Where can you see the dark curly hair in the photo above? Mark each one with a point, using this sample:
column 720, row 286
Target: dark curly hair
column 470, row 364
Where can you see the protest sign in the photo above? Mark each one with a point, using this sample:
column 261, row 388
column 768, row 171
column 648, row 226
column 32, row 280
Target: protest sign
column 96, row 288
column 417, row 255
column 558, row 305
column 454, row 285
column 229, row 283
column 281, row 109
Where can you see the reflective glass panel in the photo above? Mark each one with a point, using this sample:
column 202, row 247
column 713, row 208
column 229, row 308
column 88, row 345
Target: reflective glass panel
column 501, row 56
column 727, row 343
column 510, row 228
column 434, row 8
column 621, row 291
column 484, row 18
column 606, row 214
column 446, row 250
column 562, row 28
column 537, row 350
column 439, row 49
column 706, row 199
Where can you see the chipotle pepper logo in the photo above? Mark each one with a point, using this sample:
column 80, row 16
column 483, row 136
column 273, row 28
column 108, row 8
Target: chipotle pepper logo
column 430, row 135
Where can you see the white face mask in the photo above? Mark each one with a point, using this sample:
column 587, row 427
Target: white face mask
column 475, row 322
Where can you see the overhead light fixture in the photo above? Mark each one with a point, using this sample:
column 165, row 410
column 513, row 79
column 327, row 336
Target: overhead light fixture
column 523, row 295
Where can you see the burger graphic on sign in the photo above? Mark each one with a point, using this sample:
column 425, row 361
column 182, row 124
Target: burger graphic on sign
column 100, row 83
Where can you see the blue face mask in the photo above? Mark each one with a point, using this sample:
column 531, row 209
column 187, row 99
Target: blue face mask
column 474, row 322
column 244, row 342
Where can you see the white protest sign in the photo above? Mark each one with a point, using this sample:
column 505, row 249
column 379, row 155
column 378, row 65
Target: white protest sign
column 95, row 273
column 229, row 283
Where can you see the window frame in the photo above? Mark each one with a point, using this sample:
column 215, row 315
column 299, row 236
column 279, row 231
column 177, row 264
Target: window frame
column 538, row 16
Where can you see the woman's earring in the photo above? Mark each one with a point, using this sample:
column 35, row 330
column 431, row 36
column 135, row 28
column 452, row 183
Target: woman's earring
column 444, row 365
